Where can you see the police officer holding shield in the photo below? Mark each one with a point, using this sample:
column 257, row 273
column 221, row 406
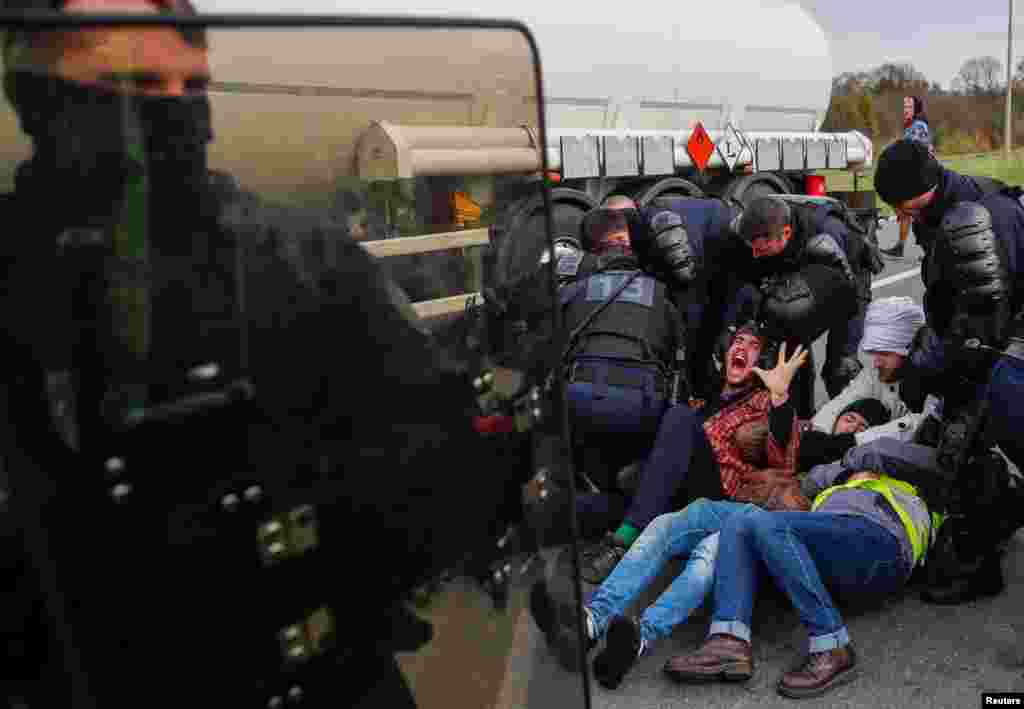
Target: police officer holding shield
column 973, row 346
column 170, row 389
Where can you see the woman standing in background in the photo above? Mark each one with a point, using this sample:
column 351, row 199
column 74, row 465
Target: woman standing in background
column 915, row 125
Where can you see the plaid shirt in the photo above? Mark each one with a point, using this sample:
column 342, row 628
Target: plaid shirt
column 721, row 427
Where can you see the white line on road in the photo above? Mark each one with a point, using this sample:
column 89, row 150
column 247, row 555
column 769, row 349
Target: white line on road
column 895, row 278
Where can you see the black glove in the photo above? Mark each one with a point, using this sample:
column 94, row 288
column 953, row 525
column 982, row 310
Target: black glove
column 929, row 433
column 838, row 377
column 970, row 336
column 926, row 354
column 960, row 438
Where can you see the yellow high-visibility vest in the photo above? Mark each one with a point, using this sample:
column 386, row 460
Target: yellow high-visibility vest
column 920, row 539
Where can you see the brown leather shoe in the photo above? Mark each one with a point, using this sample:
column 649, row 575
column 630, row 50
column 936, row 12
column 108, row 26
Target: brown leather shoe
column 720, row 657
column 822, row 672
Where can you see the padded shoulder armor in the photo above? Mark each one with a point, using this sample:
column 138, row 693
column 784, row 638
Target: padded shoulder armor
column 671, row 249
column 825, row 250
column 976, row 265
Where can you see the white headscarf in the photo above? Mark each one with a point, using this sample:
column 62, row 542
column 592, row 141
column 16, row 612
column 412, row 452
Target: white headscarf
column 890, row 325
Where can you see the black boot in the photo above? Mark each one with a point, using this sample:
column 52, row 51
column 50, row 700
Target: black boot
column 896, row 251
column 556, row 619
column 621, row 651
column 987, row 580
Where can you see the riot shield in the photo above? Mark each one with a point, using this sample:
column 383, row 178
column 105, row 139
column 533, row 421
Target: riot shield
column 273, row 436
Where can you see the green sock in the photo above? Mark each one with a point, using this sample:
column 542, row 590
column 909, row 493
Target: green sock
column 627, row 533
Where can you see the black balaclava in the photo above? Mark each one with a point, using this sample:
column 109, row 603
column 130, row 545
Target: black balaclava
column 133, row 168
column 91, row 142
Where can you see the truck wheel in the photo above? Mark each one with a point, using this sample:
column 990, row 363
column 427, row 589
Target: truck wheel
column 748, row 188
column 669, row 188
column 518, row 237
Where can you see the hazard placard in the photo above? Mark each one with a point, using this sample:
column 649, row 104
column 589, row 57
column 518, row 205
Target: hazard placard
column 731, row 145
column 699, row 146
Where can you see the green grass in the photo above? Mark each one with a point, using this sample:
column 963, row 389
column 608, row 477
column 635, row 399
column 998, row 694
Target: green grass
column 994, row 165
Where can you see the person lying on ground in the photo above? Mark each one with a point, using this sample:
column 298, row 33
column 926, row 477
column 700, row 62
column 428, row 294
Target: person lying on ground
column 865, row 534
column 688, row 532
column 695, row 453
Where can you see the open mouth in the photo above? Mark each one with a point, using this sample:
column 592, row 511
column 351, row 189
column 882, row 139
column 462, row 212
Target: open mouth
column 739, row 360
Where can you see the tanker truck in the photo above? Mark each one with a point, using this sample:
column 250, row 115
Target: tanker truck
column 625, row 93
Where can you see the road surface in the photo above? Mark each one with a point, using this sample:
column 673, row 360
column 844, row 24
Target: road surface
column 911, row 654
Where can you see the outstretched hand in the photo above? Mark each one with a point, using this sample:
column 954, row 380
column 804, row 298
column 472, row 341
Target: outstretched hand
column 778, row 379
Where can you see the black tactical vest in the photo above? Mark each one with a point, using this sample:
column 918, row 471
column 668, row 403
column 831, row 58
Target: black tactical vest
column 641, row 324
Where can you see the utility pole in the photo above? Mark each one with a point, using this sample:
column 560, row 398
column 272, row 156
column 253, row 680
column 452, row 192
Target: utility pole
column 1007, row 123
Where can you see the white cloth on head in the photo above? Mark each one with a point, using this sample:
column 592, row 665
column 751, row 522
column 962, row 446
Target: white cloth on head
column 890, row 325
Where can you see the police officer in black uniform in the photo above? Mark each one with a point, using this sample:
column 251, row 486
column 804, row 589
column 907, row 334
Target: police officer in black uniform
column 802, row 279
column 182, row 360
column 624, row 351
column 971, row 348
column 691, row 244
column 942, row 188
column 721, row 277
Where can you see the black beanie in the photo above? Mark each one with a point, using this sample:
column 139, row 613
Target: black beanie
column 873, row 411
column 906, row 169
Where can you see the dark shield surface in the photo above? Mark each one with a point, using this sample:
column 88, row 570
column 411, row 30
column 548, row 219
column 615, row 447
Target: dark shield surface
column 274, row 435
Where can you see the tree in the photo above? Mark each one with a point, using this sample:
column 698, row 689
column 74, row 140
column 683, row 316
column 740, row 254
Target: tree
column 889, row 77
column 903, row 78
column 868, row 117
column 979, row 76
column 852, row 112
column 850, row 82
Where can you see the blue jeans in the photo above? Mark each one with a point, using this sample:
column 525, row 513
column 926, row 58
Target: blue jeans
column 803, row 551
column 681, row 467
column 691, row 532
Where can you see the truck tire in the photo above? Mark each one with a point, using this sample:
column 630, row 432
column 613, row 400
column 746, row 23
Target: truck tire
column 518, row 237
column 668, row 188
column 761, row 184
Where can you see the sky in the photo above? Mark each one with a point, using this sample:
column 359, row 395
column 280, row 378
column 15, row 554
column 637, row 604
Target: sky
column 936, row 37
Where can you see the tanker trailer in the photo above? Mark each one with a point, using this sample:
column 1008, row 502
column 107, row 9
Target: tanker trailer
column 624, row 93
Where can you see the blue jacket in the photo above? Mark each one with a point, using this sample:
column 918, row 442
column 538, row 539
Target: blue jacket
column 918, row 130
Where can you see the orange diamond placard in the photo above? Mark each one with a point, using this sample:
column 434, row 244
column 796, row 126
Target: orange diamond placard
column 699, row 146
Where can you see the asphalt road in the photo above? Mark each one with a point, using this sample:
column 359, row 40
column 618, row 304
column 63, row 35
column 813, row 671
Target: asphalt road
column 911, row 654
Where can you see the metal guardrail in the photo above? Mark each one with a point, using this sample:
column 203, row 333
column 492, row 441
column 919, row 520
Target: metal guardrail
column 407, row 245
column 430, row 243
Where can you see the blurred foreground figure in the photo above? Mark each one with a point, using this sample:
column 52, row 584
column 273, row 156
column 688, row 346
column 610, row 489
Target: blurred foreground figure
column 209, row 402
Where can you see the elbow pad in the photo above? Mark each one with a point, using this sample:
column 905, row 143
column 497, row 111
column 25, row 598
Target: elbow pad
column 825, row 250
column 975, row 266
column 974, row 260
column 670, row 248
